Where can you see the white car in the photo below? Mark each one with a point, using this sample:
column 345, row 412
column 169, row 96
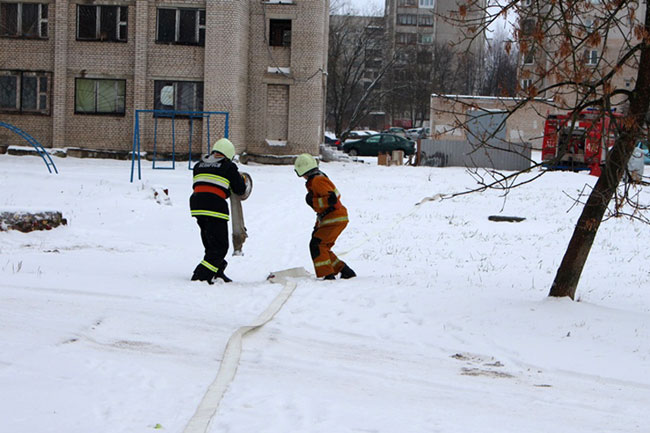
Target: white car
column 415, row 133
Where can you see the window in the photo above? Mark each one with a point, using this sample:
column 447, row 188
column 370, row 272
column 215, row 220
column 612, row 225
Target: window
column 370, row 75
column 102, row 23
column 406, row 38
column 407, row 19
column 425, row 20
column 427, row 3
column 181, row 26
column 529, row 57
column 23, row 20
column 373, row 63
column 526, row 84
column 591, row 57
column 99, row 96
column 25, row 92
column 373, row 53
column 424, row 57
column 426, row 38
column 280, row 33
column 178, row 95
column 407, row 2
column 528, row 27
column 402, row 75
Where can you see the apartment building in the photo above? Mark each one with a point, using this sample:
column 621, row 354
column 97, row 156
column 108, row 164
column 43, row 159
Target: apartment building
column 426, row 36
column 73, row 72
column 593, row 50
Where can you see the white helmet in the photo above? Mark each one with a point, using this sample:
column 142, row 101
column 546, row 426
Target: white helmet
column 224, row 147
column 304, row 163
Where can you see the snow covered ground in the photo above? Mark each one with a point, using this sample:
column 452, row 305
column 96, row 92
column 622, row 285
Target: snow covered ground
column 448, row 327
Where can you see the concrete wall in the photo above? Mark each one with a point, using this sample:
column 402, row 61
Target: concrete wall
column 525, row 125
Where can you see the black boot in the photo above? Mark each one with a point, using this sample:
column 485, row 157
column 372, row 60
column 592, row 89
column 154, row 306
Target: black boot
column 223, row 276
column 347, row 272
column 220, row 273
column 330, row 277
column 201, row 273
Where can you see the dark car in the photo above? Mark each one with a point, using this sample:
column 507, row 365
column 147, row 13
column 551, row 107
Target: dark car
column 373, row 144
column 331, row 140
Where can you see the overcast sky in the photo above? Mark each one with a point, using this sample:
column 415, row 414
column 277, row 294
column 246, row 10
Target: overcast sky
column 365, row 6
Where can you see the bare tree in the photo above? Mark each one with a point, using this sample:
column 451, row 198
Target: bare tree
column 355, row 70
column 584, row 54
column 418, row 72
column 500, row 72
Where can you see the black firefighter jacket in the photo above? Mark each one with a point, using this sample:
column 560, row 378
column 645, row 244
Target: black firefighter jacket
column 215, row 177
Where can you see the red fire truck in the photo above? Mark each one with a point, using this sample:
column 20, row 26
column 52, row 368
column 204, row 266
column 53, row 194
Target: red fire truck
column 579, row 144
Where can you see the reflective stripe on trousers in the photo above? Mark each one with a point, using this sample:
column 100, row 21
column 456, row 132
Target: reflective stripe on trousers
column 210, row 213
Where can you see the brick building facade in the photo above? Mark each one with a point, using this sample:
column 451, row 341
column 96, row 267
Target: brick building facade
column 73, row 72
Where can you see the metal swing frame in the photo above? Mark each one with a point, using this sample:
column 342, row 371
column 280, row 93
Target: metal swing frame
column 171, row 114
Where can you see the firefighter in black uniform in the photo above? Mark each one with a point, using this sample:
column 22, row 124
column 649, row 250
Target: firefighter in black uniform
column 215, row 177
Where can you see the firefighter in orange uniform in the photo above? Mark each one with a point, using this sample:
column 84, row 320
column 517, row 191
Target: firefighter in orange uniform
column 324, row 198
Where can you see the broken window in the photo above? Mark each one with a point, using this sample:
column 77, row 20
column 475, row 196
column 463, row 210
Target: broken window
column 24, row 91
column 102, row 23
column 99, row 96
column 181, row 26
column 280, row 33
column 23, row 20
column 178, row 95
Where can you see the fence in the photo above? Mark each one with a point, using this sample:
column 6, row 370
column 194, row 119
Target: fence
column 454, row 153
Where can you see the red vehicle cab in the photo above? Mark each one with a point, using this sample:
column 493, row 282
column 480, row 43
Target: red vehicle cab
column 579, row 144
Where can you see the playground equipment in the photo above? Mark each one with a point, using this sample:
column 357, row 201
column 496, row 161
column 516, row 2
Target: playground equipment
column 31, row 140
column 172, row 115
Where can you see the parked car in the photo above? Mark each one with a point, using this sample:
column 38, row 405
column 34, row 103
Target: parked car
column 331, row 140
column 418, row 133
column 372, row 145
column 395, row 130
column 356, row 134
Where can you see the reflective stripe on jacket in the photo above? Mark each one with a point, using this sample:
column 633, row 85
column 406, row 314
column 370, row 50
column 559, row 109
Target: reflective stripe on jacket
column 214, row 179
column 322, row 189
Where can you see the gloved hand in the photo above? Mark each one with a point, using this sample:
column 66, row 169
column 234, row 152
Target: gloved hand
column 309, row 198
column 332, row 199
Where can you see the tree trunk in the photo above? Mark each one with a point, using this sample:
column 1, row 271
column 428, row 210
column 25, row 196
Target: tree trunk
column 568, row 274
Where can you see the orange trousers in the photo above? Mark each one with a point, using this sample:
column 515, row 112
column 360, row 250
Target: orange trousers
column 323, row 238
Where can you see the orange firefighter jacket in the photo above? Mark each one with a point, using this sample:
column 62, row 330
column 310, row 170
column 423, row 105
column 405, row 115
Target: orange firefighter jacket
column 324, row 198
